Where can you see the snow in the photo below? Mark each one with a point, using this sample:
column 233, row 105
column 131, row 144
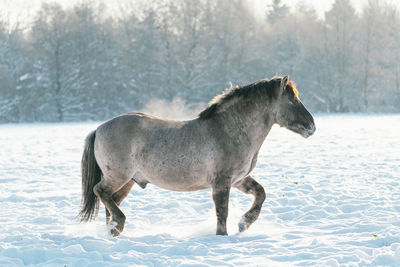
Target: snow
column 332, row 199
column 24, row 77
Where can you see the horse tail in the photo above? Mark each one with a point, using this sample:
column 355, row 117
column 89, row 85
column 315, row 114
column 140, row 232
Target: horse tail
column 91, row 175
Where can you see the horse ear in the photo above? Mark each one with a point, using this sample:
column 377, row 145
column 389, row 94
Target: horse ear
column 284, row 81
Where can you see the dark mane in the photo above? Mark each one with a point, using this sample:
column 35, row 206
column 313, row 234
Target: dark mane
column 243, row 91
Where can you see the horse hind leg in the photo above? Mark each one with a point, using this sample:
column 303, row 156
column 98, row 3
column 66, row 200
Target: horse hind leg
column 249, row 186
column 105, row 190
column 118, row 197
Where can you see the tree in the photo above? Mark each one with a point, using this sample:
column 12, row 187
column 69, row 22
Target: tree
column 277, row 11
column 14, row 63
column 49, row 38
column 340, row 32
column 80, row 63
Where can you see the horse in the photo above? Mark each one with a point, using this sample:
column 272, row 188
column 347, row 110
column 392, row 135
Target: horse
column 216, row 150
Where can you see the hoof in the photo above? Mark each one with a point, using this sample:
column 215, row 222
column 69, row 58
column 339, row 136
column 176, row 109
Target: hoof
column 222, row 232
column 115, row 228
column 242, row 227
column 114, row 232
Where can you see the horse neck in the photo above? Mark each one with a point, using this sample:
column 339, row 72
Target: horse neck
column 247, row 122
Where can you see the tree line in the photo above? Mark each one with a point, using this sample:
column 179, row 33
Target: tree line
column 79, row 63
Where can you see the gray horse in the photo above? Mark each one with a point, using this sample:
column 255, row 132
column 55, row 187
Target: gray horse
column 217, row 150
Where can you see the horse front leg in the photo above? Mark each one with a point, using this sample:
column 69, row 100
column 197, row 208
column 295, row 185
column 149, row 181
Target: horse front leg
column 220, row 192
column 249, row 186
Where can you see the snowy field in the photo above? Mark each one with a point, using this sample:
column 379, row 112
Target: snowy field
column 332, row 199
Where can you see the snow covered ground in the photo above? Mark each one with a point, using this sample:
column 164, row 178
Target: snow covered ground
column 332, row 199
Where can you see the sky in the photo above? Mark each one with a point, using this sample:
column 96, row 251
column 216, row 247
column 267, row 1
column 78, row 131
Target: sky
column 23, row 10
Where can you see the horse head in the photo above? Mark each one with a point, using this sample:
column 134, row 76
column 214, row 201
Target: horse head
column 290, row 111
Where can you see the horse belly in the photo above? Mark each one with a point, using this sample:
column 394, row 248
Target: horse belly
column 177, row 178
column 180, row 159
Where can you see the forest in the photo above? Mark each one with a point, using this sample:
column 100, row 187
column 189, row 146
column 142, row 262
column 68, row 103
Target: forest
column 80, row 63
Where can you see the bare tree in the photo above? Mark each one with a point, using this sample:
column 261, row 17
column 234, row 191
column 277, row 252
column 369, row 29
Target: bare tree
column 80, row 63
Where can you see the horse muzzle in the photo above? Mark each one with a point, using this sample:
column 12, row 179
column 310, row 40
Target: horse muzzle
column 307, row 132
